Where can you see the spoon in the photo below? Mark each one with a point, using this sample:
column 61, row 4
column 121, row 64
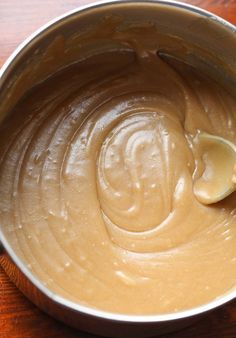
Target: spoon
column 218, row 179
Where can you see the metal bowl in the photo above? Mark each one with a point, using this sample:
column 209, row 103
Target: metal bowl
column 34, row 60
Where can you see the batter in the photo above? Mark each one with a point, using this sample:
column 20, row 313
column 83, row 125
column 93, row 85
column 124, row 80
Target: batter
column 98, row 164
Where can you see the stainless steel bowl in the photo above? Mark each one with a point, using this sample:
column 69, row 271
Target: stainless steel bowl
column 34, row 60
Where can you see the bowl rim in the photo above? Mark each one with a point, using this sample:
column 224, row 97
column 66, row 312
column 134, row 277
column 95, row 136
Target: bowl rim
column 5, row 246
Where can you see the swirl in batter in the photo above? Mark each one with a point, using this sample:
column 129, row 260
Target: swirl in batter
column 97, row 171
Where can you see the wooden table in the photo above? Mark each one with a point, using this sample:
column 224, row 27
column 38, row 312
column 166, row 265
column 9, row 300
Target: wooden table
column 18, row 317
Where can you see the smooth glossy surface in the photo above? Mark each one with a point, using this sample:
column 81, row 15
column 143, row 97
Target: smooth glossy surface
column 218, row 302
column 97, row 168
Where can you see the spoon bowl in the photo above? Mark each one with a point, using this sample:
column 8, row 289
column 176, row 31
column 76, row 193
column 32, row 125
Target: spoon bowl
column 218, row 179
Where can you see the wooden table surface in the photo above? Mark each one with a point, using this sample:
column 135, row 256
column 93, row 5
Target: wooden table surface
column 18, row 317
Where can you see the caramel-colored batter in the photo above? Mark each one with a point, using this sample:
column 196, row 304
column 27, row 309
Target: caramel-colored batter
column 96, row 181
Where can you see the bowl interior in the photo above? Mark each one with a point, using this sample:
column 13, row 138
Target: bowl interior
column 57, row 45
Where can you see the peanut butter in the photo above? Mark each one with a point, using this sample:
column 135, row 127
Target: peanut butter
column 97, row 170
